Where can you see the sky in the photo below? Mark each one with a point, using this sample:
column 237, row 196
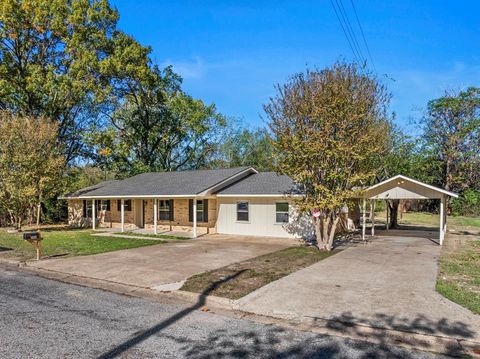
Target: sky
column 232, row 53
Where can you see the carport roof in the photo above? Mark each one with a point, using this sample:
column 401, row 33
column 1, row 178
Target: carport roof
column 403, row 187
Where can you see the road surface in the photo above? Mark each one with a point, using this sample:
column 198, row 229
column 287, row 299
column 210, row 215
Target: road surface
column 42, row 318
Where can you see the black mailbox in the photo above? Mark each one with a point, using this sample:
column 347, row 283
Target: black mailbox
column 31, row 236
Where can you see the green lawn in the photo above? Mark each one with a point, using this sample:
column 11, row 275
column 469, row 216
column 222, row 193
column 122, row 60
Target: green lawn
column 66, row 243
column 459, row 270
column 237, row 280
column 431, row 219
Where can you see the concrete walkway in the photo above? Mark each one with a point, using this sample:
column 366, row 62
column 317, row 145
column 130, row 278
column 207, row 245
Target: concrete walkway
column 387, row 283
column 167, row 263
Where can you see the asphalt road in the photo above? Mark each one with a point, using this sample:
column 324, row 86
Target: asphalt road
column 42, row 318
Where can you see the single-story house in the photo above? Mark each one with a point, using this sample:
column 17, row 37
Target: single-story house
column 231, row 201
column 239, row 201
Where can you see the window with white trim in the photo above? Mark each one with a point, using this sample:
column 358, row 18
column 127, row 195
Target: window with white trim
column 242, row 211
column 281, row 212
column 164, row 210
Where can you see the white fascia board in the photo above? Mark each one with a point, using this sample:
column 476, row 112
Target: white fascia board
column 132, row 197
column 397, row 177
column 259, row 195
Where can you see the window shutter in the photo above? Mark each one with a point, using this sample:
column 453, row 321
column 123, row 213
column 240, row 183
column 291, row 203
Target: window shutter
column 84, row 209
column 108, row 205
column 119, row 204
column 205, row 210
column 190, row 210
column 171, row 209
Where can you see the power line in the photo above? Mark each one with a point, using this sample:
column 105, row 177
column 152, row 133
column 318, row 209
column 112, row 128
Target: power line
column 353, row 36
column 345, row 33
column 363, row 35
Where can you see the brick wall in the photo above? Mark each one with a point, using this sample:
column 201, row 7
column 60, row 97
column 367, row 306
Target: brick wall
column 112, row 218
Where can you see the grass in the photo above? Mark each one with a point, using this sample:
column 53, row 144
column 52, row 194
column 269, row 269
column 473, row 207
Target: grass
column 432, row 220
column 66, row 243
column 254, row 273
column 149, row 235
column 459, row 270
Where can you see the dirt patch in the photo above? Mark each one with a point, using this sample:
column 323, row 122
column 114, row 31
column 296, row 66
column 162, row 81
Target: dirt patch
column 254, row 273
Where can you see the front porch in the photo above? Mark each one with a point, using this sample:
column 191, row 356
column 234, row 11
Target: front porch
column 183, row 216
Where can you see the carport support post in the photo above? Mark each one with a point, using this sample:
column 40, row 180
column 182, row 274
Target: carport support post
column 442, row 219
column 372, row 211
column 364, row 218
column 155, row 213
column 387, row 225
column 94, row 215
column 122, row 211
column 194, row 218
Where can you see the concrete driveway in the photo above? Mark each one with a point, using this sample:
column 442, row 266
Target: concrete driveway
column 387, row 283
column 172, row 262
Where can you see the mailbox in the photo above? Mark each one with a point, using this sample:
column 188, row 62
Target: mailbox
column 32, row 236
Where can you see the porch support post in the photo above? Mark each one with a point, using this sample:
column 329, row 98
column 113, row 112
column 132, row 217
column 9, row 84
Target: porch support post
column 364, row 218
column 372, row 210
column 194, row 218
column 94, row 215
column 442, row 219
column 122, row 211
column 155, row 214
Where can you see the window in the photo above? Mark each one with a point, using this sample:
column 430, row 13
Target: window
column 164, row 210
column 127, row 205
column 242, row 211
column 105, row 205
column 87, row 209
column 200, row 210
column 281, row 212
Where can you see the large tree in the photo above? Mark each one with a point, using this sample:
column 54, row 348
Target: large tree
column 59, row 59
column 245, row 147
column 401, row 158
column 328, row 126
column 30, row 165
column 157, row 127
column 451, row 133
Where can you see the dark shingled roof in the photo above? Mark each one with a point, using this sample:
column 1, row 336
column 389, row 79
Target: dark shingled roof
column 262, row 183
column 161, row 183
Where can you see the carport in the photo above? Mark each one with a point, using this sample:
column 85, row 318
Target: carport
column 403, row 187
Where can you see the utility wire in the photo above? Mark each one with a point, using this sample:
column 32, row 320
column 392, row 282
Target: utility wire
column 350, row 29
column 345, row 33
column 363, row 35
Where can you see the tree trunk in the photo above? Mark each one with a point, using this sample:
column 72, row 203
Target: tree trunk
column 331, row 236
column 393, row 205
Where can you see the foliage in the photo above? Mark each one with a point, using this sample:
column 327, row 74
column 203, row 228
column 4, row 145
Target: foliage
column 452, row 140
column 158, row 128
column 30, row 164
column 244, row 147
column 467, row 204
column 60, row 59
column 328, row 128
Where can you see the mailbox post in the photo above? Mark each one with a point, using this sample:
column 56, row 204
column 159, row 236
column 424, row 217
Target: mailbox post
column 34, row 238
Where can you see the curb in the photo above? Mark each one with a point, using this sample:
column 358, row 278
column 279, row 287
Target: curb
column 228, row 307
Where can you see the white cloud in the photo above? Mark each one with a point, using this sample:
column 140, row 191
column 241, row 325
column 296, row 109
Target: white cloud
column 193, row 69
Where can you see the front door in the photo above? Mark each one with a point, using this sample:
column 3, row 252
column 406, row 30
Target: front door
column 139, row 213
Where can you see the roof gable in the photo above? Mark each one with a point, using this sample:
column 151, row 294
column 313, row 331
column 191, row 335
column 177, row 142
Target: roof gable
column 403, row 187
